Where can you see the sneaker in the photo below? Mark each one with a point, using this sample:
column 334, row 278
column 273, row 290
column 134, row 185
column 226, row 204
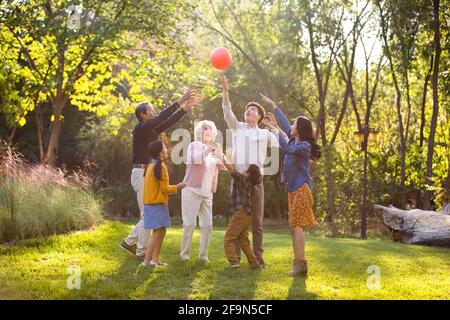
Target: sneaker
column 151, row 265
column 256, row 267
column 127, row 247
column 160, row 264
column 234, row 265
column 263, row 264
column 141, row 257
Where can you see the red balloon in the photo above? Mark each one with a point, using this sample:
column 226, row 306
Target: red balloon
column 221, row 58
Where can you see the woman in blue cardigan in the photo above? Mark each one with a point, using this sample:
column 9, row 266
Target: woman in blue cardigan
column 300, row 149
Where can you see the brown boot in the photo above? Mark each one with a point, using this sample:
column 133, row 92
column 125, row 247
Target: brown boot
column 300, row 268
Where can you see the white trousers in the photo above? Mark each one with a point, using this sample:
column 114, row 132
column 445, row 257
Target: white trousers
column 193, row 205
column 138, row 235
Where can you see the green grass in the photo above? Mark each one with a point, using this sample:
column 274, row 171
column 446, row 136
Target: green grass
column 37, row 269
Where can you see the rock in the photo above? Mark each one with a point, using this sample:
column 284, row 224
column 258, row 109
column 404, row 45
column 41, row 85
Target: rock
column 417, row 226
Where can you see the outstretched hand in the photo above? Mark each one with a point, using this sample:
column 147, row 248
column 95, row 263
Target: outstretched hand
column 185, row 96
column 270, row 121
column 189, row 99
column 268, row 100
column 181, row 185
column 223, row 80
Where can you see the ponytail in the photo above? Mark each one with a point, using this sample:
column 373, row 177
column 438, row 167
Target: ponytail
column 145, row 171
column 157, row 169
column 154, row 149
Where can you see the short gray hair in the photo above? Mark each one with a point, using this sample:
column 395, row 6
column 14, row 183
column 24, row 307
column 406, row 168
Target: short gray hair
column 198, row 129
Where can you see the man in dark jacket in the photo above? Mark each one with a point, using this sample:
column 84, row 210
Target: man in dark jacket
column 150, row 125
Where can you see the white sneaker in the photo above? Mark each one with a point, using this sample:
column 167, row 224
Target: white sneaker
column 151, row 265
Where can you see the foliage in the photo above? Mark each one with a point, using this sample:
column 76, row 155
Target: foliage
column 272, row 54
column 38, row 201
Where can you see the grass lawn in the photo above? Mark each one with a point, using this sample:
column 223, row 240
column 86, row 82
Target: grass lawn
column 37, row 269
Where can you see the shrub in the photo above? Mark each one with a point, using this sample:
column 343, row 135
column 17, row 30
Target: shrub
column 38, row 200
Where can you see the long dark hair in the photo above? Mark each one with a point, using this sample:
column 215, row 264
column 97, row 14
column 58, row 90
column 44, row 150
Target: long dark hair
column 154, row 149
column 305, row 132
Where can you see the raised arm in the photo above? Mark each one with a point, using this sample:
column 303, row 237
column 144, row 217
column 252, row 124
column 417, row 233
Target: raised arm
column 161, row 117
column 167, row 112
column 285, row 125
column 228, row 114
column 282, row 120
column 171, row 121
column 166, row 119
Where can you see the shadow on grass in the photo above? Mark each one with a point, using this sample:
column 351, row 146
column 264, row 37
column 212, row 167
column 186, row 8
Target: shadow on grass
column 297, row 290
column 121, row 284
column 337, row 259
column 175, row 281
column 129, row 281
column 234, row 284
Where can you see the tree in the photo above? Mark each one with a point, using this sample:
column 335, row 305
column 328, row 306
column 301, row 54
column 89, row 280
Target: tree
column 369, row 100
column 324, row 25
column 435, row 85
column 60, row 63
column 398, row 18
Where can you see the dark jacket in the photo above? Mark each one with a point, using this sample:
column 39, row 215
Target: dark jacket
column 146, row 132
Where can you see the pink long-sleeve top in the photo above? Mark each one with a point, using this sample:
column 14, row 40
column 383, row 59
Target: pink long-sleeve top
column 196, row 167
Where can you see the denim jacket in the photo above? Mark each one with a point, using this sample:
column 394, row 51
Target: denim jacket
column 296, row 164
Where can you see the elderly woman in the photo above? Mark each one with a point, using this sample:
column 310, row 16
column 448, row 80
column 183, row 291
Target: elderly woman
column 201, row 176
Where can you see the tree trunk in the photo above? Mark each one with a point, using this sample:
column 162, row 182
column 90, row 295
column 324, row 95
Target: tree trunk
column 39, row 130
column 424, row 100
column 434, row 82
column 322, row 84
column 328, row 155
column 401, row 129
column 55, row 131
column 58, row 103
column 364, row 202
column 11, row 136
column 403, row 173
column 369, row 97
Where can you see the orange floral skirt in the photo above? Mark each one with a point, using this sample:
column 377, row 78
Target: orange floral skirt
column 301, row 208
